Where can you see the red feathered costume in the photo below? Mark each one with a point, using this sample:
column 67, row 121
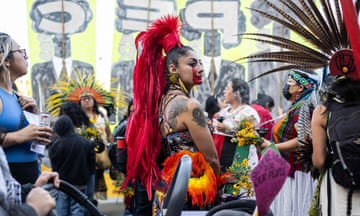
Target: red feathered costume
column 143, row 133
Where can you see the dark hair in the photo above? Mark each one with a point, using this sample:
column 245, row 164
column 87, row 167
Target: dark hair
column 110, row 110
column 211, row 106
column 63, row 126
column 174, row 54
column 172, row 57
column 243, row 88
column 343, row 88
column 76, row 114
column 131, row 102
column 264, row 100
column 95, row 107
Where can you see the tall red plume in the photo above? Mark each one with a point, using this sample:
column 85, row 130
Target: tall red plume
column 142, row 133
column 353, row 30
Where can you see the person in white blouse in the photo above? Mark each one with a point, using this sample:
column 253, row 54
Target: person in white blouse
column 236, row 96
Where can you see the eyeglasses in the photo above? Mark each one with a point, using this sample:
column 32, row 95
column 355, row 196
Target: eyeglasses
column 83, row 98
column 22, row 51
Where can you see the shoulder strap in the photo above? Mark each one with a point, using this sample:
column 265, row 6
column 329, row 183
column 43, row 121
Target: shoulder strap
column 328, row 116
column 329, row 192
column 22, row 118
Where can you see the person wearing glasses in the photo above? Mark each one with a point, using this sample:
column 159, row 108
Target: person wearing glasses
column 18, row 132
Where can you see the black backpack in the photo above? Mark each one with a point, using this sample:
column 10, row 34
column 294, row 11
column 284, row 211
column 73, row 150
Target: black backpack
column 344, row 144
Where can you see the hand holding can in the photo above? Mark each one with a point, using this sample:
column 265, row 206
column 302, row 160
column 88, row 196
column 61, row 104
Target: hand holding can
column 44, row 120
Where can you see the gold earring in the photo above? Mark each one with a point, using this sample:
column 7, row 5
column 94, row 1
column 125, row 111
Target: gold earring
column 173, row 77
column 182, row 85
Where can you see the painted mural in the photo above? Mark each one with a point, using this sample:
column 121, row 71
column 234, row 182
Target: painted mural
column 62, row 37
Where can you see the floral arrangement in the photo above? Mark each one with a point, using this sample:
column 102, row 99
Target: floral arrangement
column 241, row 173
column 246, row 133
column 93, row 135
column 236, row 180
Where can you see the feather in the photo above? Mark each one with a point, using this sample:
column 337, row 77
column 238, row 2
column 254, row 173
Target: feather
column 322, row 27
column 202, row 183
column 304, row 134
column 71, row 89
column 143, row 135
column 285, row 43
column 304, row 149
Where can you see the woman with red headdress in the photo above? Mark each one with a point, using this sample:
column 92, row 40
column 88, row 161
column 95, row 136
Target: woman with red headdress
column 166, row 118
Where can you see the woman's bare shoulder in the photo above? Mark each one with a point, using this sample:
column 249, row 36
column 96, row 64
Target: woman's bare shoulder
column 183, row 103
column 178, row 105
column 184, row 109
column 197, row 113
column 319, row 115
column 320, row 109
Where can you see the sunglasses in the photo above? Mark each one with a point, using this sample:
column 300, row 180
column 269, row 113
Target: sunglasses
column 22, row 51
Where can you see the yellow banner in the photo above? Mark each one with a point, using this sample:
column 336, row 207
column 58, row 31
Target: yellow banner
column 99, row 36
column 211, row 27
column 61, row 40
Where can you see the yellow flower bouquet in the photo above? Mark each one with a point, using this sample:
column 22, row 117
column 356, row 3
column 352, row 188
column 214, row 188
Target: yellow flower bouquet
column 92, row 134
column 246, row 133
column 236, row 180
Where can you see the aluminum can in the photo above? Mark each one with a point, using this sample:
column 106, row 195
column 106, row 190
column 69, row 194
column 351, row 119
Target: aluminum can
column 120, row 142
column 44, row 120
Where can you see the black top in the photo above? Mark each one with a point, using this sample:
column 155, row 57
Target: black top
column 71, row 155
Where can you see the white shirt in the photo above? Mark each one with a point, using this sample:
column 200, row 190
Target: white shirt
column 232, row 119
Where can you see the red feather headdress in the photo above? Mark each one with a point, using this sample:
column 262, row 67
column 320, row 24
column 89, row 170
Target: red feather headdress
column 143, row 134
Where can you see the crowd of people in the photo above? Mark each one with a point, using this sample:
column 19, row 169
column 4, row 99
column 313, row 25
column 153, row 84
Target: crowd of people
column 165, row 122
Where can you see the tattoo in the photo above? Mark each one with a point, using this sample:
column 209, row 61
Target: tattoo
column 199, row 117
column 178, row 106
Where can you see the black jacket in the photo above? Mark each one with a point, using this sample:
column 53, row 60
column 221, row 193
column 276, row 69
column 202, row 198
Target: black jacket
column 71, row 155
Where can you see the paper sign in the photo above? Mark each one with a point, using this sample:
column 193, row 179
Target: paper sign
column 32, row 118
column 268, row 177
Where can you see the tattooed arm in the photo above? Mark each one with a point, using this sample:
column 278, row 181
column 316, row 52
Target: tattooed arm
column 193, row 119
